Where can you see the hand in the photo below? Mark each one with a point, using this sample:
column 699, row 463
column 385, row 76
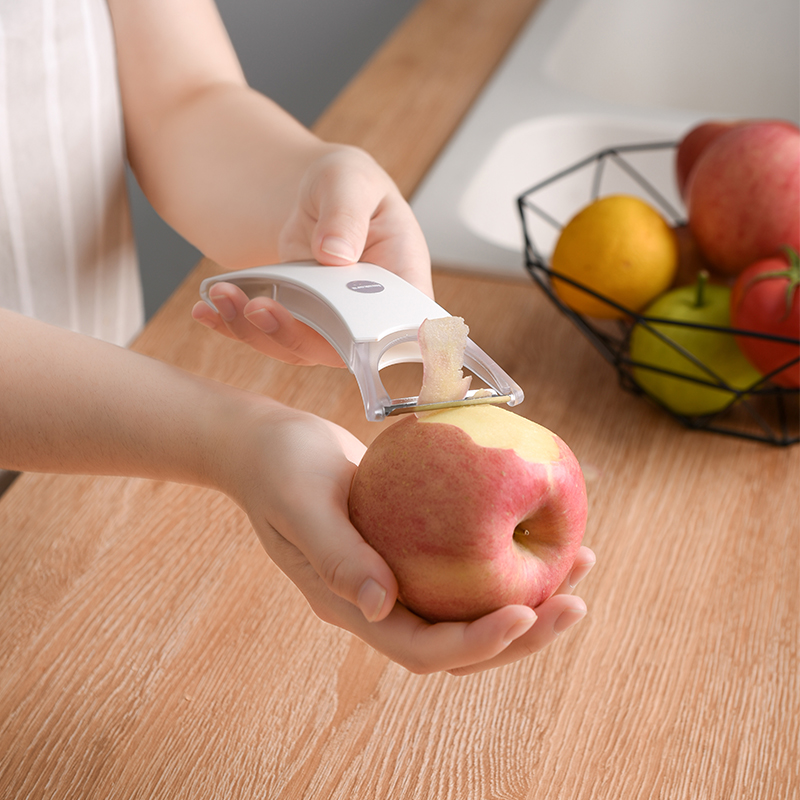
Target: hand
column 558, row 613
column 464, row 648
column 347, row 210
column 287, row 457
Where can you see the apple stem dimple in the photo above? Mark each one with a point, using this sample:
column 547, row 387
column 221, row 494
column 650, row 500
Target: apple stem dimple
column 522, row 536
column 702, row 280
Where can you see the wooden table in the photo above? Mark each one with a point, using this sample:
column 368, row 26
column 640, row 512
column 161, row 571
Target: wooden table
column 151, row 650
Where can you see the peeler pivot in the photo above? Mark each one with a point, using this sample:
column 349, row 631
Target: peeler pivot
column 371, row 317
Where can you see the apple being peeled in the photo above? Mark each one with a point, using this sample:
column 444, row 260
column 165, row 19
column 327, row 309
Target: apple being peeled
column 473, row 508
column 743, row 194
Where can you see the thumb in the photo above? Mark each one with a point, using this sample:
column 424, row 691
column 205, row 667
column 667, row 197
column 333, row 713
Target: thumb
column 323, row 532
column 353, row 570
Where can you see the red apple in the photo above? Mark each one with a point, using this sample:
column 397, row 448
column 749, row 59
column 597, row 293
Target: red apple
column 743, row 194
column 694, row 143
column 473, row 508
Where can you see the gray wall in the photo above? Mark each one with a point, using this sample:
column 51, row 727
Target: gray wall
column 298, row 52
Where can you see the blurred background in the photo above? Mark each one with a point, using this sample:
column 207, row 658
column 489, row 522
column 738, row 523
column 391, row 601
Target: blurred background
column 300, row 53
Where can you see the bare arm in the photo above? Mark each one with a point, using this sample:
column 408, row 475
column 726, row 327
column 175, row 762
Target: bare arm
column 216, row 159
column 234, row 173
column 72, row 404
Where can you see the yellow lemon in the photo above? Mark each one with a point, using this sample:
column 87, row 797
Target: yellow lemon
column 620, row 247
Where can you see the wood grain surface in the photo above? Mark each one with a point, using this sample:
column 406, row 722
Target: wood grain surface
column 150, row 649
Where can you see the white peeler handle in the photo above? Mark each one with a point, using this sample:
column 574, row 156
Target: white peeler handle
column 368, row 314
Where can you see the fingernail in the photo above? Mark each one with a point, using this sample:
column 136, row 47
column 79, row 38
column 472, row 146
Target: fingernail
column 263, row 320
column 371, row 597
column 567, row 619
column 224, row 305
column 520, row 628
column 339, row 248
column 579, row 573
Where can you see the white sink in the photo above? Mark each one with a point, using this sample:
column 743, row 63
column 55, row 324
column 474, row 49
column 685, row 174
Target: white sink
column 587, row 74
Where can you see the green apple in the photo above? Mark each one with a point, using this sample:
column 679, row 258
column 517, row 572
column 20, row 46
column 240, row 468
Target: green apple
column 707, row 368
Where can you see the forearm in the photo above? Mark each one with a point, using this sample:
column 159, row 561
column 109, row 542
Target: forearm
column 73, row 404
column 224, row 170
column 220, row 162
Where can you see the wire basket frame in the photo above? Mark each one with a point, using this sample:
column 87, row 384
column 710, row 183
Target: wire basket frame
column 764, row 411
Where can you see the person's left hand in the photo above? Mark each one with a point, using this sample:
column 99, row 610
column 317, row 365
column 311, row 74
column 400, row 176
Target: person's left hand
column 347, row 209
column 291, row 472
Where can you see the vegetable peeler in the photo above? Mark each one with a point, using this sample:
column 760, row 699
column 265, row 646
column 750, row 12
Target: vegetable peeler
column 371, row 317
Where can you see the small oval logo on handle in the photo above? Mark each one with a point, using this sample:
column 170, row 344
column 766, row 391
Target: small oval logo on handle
column 365, row 287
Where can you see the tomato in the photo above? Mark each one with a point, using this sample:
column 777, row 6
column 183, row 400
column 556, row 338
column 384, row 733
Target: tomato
column 766, row 299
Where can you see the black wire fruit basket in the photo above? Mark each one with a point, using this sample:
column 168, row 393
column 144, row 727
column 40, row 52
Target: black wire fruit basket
column 762, row 411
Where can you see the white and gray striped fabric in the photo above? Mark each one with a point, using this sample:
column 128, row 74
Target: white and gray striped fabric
column 67, row 253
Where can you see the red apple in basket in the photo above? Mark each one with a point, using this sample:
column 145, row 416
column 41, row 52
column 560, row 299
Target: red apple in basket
column 743, row 194
column 693, row 143
column 473, row 508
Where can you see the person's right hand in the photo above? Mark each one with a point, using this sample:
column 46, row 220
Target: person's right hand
column 347, row 209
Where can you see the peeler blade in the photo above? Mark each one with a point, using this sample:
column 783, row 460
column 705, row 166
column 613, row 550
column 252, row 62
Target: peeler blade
column 475, row 398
